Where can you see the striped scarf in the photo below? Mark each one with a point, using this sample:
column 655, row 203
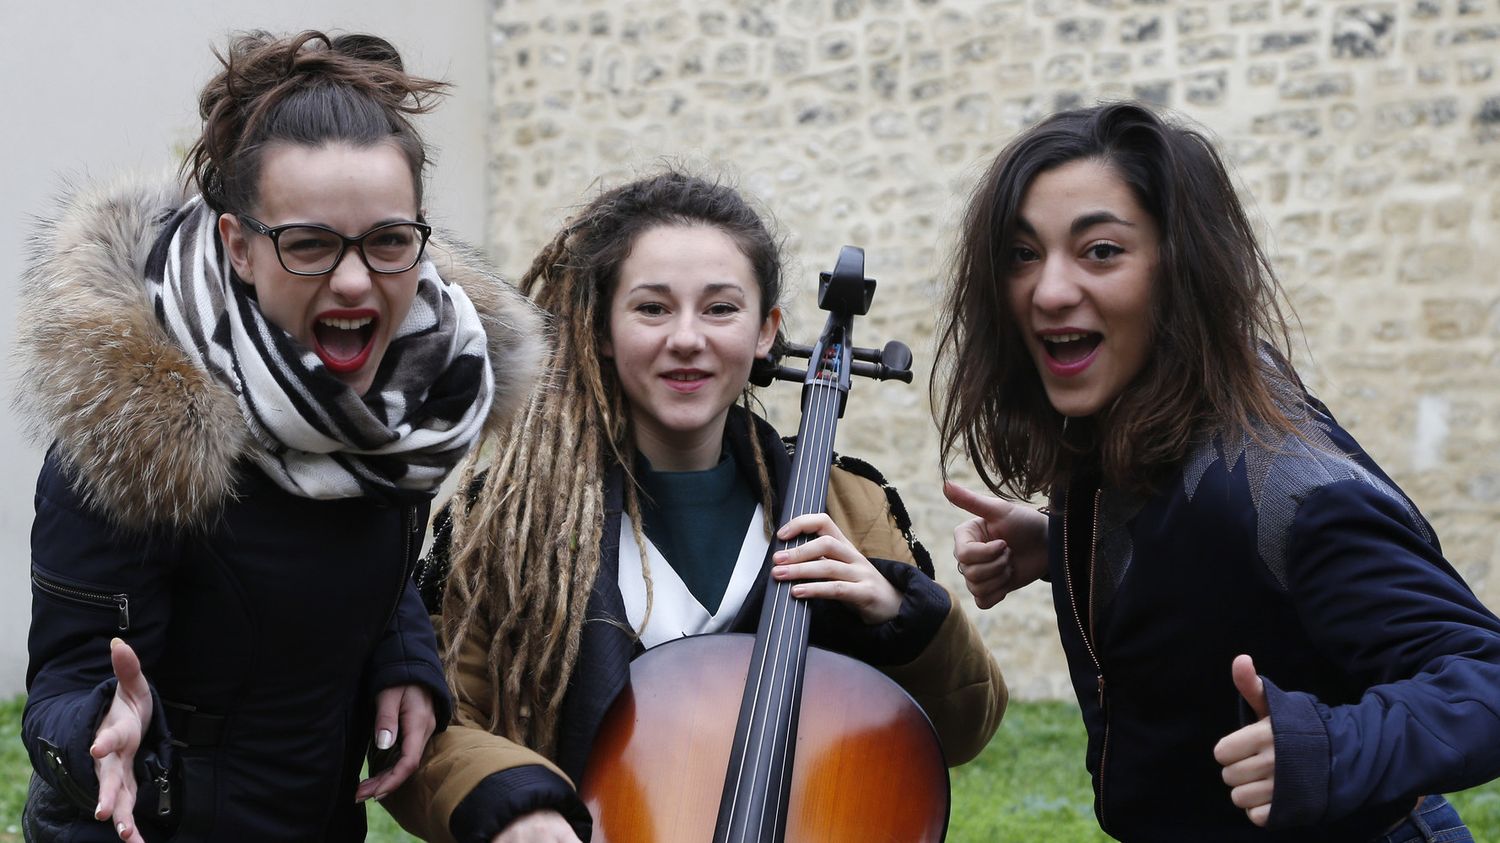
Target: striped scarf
column 318, row 438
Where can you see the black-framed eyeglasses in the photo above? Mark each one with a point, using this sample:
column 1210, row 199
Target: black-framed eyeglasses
column 310, row 249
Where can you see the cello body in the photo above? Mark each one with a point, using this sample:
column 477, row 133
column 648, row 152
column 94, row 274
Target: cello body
column 867, row 768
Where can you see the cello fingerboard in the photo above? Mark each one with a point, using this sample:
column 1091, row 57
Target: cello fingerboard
column 758, row 781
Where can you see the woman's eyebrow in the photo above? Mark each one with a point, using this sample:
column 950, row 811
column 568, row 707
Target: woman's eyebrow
column 1081, row 224
column 661, row 288
column 651, row 287
column 719, row 287
column 1089, row 220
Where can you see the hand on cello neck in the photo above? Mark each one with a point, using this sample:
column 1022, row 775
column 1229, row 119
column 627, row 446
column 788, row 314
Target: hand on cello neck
column 824, row 564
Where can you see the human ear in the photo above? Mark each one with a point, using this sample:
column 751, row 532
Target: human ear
column 232, row 235
column 768, row 329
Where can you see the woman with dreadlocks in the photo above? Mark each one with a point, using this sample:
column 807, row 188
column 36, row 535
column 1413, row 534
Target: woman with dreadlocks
column 597, row 529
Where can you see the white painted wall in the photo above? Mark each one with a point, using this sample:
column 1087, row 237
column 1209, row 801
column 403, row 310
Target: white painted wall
column 93, row 88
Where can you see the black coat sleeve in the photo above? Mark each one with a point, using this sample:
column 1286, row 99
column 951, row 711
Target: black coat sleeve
column 91, row 582
column 408, row 655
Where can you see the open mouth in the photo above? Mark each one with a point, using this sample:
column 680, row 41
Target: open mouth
column 343, row 344
column 1068, row 349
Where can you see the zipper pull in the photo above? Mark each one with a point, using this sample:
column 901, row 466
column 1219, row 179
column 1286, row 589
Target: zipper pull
column 1100, row 678
column 164, row 795
column 123, row 602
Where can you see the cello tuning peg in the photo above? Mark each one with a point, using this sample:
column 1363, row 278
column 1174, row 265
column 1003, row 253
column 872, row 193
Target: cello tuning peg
column 768, row 369
column 791, row 373
column 892, row 362
column 896, row 356
column 763, row 370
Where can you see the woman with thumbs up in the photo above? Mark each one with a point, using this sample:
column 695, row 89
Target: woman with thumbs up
column 1264, row 636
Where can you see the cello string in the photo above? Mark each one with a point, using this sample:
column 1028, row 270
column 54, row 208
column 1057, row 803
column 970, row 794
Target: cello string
column 802, row 496
column 785, row 608
column 821, row 431
column 754, row 751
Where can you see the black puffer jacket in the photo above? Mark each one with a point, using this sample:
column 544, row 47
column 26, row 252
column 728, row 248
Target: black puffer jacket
column 265, row 641
column 266, row 622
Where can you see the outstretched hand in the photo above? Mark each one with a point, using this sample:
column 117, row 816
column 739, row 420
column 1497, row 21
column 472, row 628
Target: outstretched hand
column 1249, row 754
column 1002, row 548
column 119, row 738
column 402, row 713
column 831, row 567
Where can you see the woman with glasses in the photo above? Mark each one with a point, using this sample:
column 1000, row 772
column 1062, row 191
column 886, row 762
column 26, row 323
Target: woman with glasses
column 253, row 389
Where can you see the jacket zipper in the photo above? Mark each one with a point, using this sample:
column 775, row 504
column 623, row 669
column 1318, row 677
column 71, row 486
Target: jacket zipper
column 119, row 602
column 63, row 779
column 163, row 788
column 164, row 795
column 1087, row 632
column 409, row 563
column 408, row 525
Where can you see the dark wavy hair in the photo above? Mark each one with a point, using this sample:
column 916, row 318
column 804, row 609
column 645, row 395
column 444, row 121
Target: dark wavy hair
column 308, row 89
column 1219, row 332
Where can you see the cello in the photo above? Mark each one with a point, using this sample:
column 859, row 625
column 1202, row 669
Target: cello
column 777, row 741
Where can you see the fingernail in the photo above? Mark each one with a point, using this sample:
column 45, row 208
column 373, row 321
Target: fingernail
column 384, row 739
column 120, row 827
column 98, row 811
column 113, row 642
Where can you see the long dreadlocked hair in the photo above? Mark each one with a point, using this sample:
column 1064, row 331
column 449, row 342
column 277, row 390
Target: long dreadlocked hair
column 525, row 544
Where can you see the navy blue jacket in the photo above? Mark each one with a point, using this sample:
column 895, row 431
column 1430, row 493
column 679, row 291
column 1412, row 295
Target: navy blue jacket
column 266, row 622
column 265, row 641
column 1382, row 668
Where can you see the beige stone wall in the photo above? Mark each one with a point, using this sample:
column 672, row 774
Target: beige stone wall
column 1366, row 137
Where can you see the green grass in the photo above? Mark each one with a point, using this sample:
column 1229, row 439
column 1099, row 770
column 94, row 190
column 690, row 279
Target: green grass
column 1029, row 784
column 15, row 770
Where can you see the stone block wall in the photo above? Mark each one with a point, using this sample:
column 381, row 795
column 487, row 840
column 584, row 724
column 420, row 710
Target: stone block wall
column 1365, row 137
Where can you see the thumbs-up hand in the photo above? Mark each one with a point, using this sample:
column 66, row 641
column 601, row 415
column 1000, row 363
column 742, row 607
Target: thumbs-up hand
column 1000, row 549
column 1249, row 754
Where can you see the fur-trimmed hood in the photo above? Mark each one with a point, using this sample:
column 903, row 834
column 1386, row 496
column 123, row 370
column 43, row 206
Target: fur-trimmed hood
column 154, row 439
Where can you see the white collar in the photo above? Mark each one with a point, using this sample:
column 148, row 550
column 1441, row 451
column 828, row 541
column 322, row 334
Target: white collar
column 675, row 612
